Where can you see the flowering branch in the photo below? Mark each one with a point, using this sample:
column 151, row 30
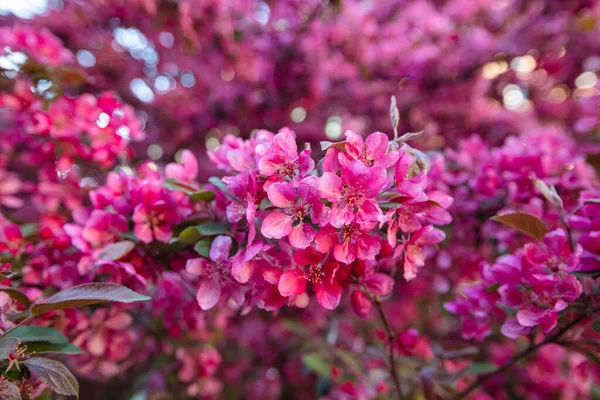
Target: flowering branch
column 391, row 336
column 526, row 352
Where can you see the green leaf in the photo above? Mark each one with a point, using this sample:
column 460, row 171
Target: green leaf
column 265, row 203
column 27, row 334
column 9, row 391
column 190, row 235
column 87, row 294
column 116, row 251
column 596, row 326
column 203, row 247
column 54, row 374
column 480, row 368
column 52, row 348
column 295, row 326
column 15, row 294
column 524, row 223
column 213, row 229
column 583, row 274
column 177, row 186
column 204, row 195
column 195, row 194
column 349, row 359
column 318, row 364
column 6, row 346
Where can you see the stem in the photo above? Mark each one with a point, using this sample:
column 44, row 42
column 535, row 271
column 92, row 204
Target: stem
column 530, row 349
column 29, row 318
column 569, row 234
column 391, row 336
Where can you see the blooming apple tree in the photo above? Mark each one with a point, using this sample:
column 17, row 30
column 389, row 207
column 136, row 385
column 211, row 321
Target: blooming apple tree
column 378, row 265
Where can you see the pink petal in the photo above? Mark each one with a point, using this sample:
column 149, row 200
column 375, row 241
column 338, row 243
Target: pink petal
column 292, row 283
column 330, row 186
column 175, row 171
column 355, row 145
column 380, row 284
column 208, row 294
column 242, row 271
column 282, row 195
column 220, row 248
column 410, row 270
column 269, row 164
column 367, row 247
column 328, row 294
column 190, row 163
column 345, row 252
column 119, row 321
column 341, row 214
column 96, row 345
column 530, row 317
column 377, row 145
column 195, row 266
column 512, row 329
column 163, row 233
column 277, row 225
column 326, row 238
column 143, row 232
column 284, row 144
column 302, row 235
column 271, row 274
column 361, row 304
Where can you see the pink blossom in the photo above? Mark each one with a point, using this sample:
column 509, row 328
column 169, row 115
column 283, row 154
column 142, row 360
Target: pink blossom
column 348, row 242
column 353, row 195
column 283, row 159
column 215, row 274
column 298, row 204
column 320, row 272
column 187, row 171
column 414, row 249
column 372, row 152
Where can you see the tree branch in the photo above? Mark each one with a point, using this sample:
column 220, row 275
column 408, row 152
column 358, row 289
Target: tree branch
column 391, row 336
column 529, row 350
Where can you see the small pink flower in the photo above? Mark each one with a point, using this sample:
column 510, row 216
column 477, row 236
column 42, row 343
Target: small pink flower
column 245, row 188
column 187, row 171
column 554, row 253
column 353, row 195
column 348, row 242
column 312, row 268
column 414, row 249
column 215, row 274
column 299, row 205
column 406, row 342
column 372, row 152
column 282, row 159
column 406, row 184
column 10, row 185
column 154, row 221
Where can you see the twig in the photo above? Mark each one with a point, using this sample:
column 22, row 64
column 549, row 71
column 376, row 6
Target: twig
column 391, row 336
column 29, row 318
column 529, row 350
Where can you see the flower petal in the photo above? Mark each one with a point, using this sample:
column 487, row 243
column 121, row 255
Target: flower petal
column 292, row 283
column 208, row 294
column 277, row 225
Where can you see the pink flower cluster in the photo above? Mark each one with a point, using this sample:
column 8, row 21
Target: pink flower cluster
column 532, row 286
column 329, row 217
